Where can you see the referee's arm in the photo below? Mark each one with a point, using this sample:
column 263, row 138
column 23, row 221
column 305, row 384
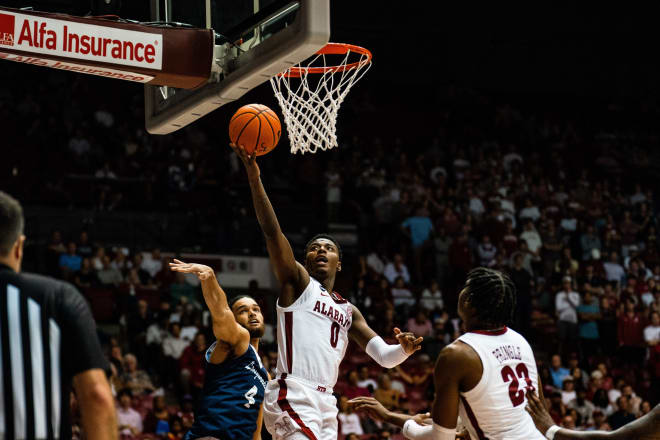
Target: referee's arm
column 88, row 366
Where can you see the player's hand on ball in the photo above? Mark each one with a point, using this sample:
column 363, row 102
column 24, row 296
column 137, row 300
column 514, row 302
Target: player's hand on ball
column 537, row 410
column 203, row 272
column 408, row 341
column 249, row 160
column 373, row 408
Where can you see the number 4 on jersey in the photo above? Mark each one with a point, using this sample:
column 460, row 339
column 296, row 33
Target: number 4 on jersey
column 250, row 396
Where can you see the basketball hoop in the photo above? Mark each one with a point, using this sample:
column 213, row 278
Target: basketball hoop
column 310, row 108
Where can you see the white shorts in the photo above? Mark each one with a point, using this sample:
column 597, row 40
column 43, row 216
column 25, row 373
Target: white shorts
column 295, row 406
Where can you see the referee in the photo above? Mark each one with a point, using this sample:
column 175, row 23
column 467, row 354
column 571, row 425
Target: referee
column 48, row 345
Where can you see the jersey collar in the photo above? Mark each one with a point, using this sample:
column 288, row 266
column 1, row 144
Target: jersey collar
column 490, row 332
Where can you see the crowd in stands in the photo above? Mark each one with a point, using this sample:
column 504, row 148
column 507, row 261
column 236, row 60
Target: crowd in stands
column 561, row 201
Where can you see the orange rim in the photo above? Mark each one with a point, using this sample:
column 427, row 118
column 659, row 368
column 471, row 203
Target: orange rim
column 332, row 49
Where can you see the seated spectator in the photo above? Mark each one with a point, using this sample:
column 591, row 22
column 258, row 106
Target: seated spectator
column 568, row 422
column 568, row 390
column 186, row 413
column 109, row 276
column 85, row 277
column 401, row 295
column 420, row 325
column 349, row 421
column 192, row 366
column 365, row 379
column 144, row 276
column 583, row 407
column 623, row 415
column 353, row 390
column 613, row 270
column 486, row 252
column 85, row 249
column 176, row 429
column 70, row 262
column 173, row 347
column 652, row 339
column 55, row 249
column 532, row 238
column 181, row 292
column 138, row 381
column 589, row 241
column 121, row 262
column 157, row 419
column 557, row 372
column 396, row 269
column 557, row 408
column 431, row 298
column 634, row 401
column 385, row 394
column 128, row 419
column 566, row 265
column 97, row 260
column 529, row 212
column 153, row 263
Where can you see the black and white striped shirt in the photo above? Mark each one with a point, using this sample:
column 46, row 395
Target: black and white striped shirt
column 47, row 336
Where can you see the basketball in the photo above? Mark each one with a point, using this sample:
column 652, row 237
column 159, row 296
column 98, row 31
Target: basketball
column 256, row 127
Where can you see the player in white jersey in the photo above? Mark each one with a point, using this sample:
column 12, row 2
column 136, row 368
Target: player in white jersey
column 314, row 324
column 483, row 375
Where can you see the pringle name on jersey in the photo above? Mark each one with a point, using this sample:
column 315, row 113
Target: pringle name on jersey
column 335, row 314
column 506, row 353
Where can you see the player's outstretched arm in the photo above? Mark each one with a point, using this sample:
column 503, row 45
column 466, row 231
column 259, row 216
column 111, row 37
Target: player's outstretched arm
column 287, row 270
column 644, row 428
column 225, row 328
column 388, row 356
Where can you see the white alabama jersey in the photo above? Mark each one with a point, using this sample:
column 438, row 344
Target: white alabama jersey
column 312, row 335
column 495, row 408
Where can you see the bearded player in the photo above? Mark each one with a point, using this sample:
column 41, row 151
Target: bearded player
column 483, row 375
column 235, row 379
column 313, row 327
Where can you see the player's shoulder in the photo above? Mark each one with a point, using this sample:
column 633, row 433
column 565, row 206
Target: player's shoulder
column 456, row 354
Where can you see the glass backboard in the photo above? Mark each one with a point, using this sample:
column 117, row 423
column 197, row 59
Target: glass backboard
column 254, row 41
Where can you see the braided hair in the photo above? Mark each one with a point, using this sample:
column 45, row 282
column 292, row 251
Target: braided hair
column 492, row 295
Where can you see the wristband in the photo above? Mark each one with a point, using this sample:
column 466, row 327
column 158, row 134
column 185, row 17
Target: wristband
column 550, row 433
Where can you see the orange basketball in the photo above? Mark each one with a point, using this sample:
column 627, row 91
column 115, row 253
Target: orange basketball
column 256, row 128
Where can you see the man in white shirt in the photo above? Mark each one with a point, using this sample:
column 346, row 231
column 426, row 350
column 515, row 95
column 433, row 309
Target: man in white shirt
column 129, row 420
column 350, row 421
column 174, row 344
column 396, row 269
column 153, row 263
column 532, row 237
column 566, row 304
column 366, row 381
column 476, row 207
column 613, row 270
column 530, row 212
column 652, row 331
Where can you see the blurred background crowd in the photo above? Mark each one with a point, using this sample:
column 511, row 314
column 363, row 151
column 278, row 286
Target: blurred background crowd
column 561, row 195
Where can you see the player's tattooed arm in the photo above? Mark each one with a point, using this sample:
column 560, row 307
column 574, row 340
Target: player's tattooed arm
column 286, row 269
column 225, row 328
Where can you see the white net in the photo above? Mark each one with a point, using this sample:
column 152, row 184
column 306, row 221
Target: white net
column 310, row 96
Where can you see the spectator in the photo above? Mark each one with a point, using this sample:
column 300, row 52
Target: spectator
column 431, row 298
column 153, row 263
column 157, row 419
column 529, row 212
column 365, row 379
column 601, row 401
column 70, row 262
column 568, row 390
column 352, row 389
column 97, row 260
column 85, row 277
column 138, row 381
column 589, row 314
column 84, row 247
column 623, row 415
column 584, row 408
column 486, row 252
column 629, row 230
column 558, row 372
column 532, row 238
column 418, row 228
column 192, row 366
column 633, row 400
column 396, row 269
column 568, row 422
column 121, row 262
column 181, row 292
column 387, row 396
column 420, row 324
column 475, row 205
column 652, row 339
column 350, row 422
column 401, row 295
column 631, row 334
column 566, row 265
column 588, row 242
column 128, row 419
column 613, row 270
column 109, row 276
column 566, row 303
column 54, row 251
column 173, row 347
